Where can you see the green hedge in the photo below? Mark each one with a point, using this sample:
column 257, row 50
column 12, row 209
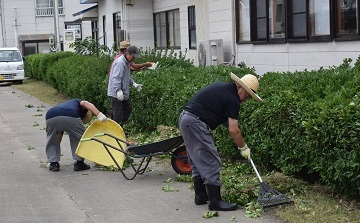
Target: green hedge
column 36, row 65
column 82, row 77
column 308, row 124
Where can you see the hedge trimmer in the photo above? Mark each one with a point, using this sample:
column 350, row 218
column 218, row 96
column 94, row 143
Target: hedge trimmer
column 267, row 196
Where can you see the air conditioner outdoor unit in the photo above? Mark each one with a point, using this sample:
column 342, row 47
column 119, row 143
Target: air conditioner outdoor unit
column 211, row 52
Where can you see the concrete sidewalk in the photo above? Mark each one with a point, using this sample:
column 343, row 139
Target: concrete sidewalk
column 29, row 192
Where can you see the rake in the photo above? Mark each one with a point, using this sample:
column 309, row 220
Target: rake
column 269, row 197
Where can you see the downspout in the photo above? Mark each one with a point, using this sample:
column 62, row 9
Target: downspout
column 233, row 32
column 15, row 28
column 123, row 19
column 126, row 28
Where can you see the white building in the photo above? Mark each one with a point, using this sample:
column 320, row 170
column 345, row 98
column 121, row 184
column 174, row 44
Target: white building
column 28, row 24
column 269, row 35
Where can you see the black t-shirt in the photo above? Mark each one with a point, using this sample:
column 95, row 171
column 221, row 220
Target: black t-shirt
column 71, row 108
column 215, row 103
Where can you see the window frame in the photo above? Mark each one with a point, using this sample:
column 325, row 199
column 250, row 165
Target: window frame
column 255, row 20
column 47, row 9
column 192, row 25
column 344, row 37
column 256, row 37
column 104, row 29
column 95, row 30
column 167, row 30
column 290, row 17
column 320, row 38
column 238, row 23
column 117, row 34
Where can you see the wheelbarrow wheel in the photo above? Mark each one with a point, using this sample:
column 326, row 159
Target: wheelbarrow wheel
column 179, row 161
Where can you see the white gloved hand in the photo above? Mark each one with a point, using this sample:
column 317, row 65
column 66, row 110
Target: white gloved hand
column 101, row 117
column 137, row 86
column 120, row 95
column 245, row 151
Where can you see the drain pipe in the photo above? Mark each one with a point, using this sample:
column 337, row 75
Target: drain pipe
column 233, row 32
column 15, row 28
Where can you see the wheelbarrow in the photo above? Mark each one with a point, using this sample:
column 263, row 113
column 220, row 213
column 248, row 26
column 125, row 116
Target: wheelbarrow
column 104, row 143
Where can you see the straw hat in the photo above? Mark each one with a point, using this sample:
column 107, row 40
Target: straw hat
column 87, row 117
column 124, row 44
column 249, row 83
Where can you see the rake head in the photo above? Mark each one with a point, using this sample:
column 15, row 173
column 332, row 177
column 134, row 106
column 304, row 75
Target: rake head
column 269, row 197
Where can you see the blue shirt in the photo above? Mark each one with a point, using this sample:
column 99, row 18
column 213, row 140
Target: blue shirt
column 71, row 108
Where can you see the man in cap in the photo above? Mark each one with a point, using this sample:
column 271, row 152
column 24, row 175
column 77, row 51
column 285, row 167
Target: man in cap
column 213, row 105
column 119, row 85
column 133, row 66
column 70, row 117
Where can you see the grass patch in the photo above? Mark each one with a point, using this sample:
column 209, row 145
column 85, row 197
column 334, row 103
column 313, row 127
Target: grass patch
column 311, row 202
column 317, row 204
column 42, row 91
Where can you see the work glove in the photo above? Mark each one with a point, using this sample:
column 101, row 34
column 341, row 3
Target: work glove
column 120, row 95
column 137, row 86
column 101, row 117
column 245, row 151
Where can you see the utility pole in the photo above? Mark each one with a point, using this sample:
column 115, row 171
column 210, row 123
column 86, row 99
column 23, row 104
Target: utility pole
column 3, row 29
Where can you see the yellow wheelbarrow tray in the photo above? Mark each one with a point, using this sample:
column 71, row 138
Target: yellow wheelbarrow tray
column 113, row 144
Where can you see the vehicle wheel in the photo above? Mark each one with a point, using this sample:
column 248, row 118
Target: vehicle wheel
column 179, row 161
column 19, row 82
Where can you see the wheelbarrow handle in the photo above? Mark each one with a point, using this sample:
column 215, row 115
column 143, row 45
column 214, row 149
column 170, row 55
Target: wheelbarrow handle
column 99, row 134
column 256, row 171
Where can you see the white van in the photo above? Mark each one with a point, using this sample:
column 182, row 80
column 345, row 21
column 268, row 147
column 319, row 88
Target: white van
column 11, row 65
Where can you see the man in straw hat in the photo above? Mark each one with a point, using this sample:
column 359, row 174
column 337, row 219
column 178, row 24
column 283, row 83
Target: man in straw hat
column 70, row 117
column 213, row 105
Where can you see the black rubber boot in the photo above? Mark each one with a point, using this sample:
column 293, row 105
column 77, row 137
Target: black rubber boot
column 216, row 202
column 200, row 191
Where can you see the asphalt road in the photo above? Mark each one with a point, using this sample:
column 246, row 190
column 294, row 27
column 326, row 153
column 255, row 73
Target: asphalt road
column 29, row 192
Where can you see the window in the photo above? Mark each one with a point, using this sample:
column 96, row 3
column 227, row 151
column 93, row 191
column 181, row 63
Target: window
column 167, row 29
column 192, row 27
column 104, row 30
column 297, row 20
column 346, row 18
column 319, row 15
column 269, row 20
column 242, row 20
column 95, row 30
column 280, row 21
column 308, row 22
column 259, row 16
column 119, row 34
column 276, row 19
column 46, row 8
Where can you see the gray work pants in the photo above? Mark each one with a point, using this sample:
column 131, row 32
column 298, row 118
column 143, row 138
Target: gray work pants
column 73, row 126
column 121, row 110
column 202, row 153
